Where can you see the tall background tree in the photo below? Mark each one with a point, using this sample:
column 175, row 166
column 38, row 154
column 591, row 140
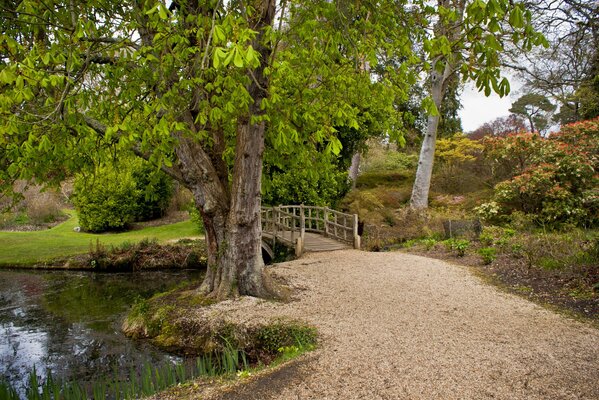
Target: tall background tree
column 567, row 70
column 467, row 38
column 536, row 109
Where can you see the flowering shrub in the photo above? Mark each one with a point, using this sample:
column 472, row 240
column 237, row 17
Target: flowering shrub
column 555, row 180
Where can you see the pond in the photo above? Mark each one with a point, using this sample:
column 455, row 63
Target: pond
column 69, row 323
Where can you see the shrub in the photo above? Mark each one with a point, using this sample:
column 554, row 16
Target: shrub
column 429, row 243
column 106, row 201
column 117, row 195
column 322, row 184
column 488, row 254
column 283, row 334
column 155, row 190
column 556, row 250
column 389, row 160
column 458, row 245
column 554, row 180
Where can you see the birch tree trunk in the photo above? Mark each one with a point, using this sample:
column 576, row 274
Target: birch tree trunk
column 439, row 79
column 354, row 169
column 422, row 183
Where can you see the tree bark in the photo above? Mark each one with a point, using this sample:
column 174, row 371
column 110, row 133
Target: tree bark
column 354, row 169
column 231, row 211
column 422, row 183
column 439, row 80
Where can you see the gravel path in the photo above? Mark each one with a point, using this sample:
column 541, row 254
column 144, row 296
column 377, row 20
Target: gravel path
column 400, row 326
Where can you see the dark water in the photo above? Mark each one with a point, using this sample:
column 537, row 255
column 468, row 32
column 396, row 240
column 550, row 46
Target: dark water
column 69, row 323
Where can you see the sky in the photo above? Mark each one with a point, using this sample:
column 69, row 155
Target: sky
column 478, row 109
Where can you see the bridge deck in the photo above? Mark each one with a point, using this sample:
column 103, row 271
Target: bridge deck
column 313, row 241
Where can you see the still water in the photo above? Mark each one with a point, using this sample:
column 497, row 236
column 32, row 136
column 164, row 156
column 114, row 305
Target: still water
column 69, row 323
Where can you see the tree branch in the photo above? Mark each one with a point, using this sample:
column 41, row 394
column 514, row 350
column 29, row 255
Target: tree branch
column 100, row 129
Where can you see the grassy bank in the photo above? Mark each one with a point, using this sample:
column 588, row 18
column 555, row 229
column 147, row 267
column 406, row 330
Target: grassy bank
column 38, row 247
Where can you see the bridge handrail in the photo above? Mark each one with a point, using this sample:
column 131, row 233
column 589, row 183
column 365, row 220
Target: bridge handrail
column 299, row 219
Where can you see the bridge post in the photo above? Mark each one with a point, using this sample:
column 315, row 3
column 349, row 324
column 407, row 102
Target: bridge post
column 325, row 211
column 275, row 227
column 356, row 236
column 302, row 226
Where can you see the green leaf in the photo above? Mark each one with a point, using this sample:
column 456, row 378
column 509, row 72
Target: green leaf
column 19, row 83
column 230, row 56
column 251, row 55
column 238, row 61
column 516, row 19
column 153, row 9
column 219, row 34
column 7, row 76
column 162, row 12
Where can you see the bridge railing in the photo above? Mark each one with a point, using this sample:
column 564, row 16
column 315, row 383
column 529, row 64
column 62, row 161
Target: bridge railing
column 290, row 223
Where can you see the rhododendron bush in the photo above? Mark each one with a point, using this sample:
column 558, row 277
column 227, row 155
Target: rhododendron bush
column 554, row 180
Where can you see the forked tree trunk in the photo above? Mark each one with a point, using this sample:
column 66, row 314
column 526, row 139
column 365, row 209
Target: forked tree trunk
column 231, row 210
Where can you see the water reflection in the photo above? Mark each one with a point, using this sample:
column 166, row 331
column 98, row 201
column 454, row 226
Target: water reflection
column 69, row 323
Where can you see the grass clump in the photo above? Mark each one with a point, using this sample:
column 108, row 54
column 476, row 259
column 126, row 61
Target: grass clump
column 281, row 335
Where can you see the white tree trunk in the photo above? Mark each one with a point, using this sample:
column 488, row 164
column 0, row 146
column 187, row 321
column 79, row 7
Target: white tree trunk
column 354, row 169
column 422, row 183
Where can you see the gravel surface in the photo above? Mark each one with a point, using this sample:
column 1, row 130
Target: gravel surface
column 400, row 326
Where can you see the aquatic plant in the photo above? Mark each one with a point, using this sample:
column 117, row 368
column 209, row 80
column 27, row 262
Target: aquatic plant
column 150, row 380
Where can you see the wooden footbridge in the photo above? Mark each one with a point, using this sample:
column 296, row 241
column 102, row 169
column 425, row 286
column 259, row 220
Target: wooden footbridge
column 309, row 228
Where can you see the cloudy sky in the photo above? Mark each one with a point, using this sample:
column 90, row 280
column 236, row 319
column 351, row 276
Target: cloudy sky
column 478, row 109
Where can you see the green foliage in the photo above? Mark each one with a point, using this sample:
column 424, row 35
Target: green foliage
column 573, row 250
column 536, row 109
column 381, row 159
column 497, row 236
column 488, row 254
column 156, row 190
column 195, row 216
column 458, row 245
column 116, row 195
column 106, row 201
column 310, row 180
column 457, row 149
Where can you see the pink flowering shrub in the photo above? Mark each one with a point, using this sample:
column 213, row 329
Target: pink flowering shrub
column 553, row 180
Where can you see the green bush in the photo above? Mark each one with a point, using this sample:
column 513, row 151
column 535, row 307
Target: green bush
column 282, row 334
column 156, row 190
column 298, row 184
column 106, row 201
column 488, row 254
column 458, row 245
column 117, row 195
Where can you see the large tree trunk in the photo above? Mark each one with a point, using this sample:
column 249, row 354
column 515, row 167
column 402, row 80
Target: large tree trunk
column 439, row 80
column 231, row 210
column 422, row 183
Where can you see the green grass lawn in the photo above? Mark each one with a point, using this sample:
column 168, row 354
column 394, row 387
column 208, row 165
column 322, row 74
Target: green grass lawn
column 26, row 248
